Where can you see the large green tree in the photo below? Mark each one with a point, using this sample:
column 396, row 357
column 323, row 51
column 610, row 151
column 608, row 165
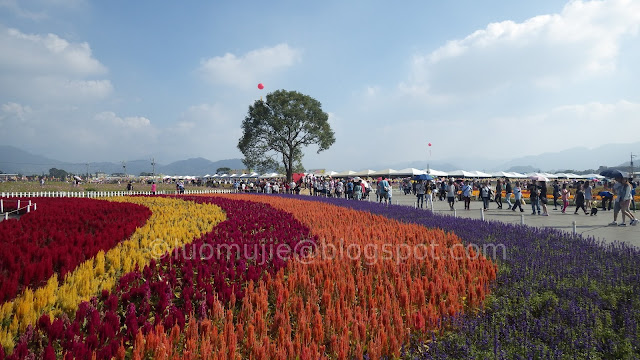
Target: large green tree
column 276, row 130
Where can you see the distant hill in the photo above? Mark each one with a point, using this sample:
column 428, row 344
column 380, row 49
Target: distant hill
column 577, row 158
column 199, row 166
column 18, row 161
column 521, row 169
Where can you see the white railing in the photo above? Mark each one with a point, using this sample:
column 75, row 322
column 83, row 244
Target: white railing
column 26, row 205
column 96, row 194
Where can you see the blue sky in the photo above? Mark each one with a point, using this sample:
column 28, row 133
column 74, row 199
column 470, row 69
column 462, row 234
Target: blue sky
column 88, row 80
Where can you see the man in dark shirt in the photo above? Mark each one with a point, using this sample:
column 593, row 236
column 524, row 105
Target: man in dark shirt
column 509, row 190
column 533, row 196
column 498, row 198
column 556, row 194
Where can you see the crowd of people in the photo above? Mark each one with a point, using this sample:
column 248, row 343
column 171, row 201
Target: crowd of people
column 617, row 194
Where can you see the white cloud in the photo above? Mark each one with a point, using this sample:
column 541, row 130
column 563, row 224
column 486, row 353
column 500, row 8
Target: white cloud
column 126, row 124
column 13, row 109
column 47, row 68
column 581, row 42
column 247, row 70
column 46, row 54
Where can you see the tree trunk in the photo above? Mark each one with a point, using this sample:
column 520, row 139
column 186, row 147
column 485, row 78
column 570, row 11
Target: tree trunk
column 290, row 168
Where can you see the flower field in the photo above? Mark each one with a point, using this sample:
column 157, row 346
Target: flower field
column 555, row 296
column 266, row 277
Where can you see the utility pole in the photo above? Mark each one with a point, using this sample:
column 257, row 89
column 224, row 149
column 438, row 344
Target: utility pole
column 87, row 165
column 153, row 164
column 124, row 168
column 631, row 174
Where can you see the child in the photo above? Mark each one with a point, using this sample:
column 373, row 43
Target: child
column 594, row 208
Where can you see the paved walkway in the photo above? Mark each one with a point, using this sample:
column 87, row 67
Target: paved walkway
column 589, row 226
column 592, row 226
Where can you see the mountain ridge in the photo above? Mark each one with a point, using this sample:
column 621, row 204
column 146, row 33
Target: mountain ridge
column 17, row 161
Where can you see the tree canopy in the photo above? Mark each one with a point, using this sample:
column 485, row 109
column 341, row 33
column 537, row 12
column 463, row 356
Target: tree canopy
column 58, row 173
column 276, row 130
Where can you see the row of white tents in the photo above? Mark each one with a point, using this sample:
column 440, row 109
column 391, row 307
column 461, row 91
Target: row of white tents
column 458, row 174
column 402, row 173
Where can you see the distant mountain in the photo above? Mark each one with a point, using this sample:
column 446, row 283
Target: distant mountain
column 521, row 169
column 199, row 166
column 580, row 158
column 17, row 161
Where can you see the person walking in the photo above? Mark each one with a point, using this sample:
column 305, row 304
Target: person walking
column 625, row 200
column 384, row 189
column 633, row 194
column 565, row 193
column 556, row 194
column 467, row 190
column 428, row 194
column 451, row 193
column 485, row 193
column 509, row 190
column 339, row 189
column 534, row 196
column 617, row 190
column 588, row 194
column 498, row 197
column 517, row 192
column 543, row 198
column 419, row 189
column 580, row 200
column 357, row 189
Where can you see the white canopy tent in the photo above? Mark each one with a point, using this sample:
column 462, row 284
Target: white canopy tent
column 500, row 174
column 481, row 174
column 568, row 176
column 364, row 173
column 410, row 172
column 346, row 173
column 462, row 173
column 385, row 172
column 517, row 175
column 270, row 175
column 331, row 173
column 593, row 176
column 436, row 173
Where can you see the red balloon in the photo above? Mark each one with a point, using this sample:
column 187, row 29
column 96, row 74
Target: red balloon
column 429, row 144
column 260, row 86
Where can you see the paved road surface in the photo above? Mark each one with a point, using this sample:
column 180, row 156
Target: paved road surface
column 589, row 226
